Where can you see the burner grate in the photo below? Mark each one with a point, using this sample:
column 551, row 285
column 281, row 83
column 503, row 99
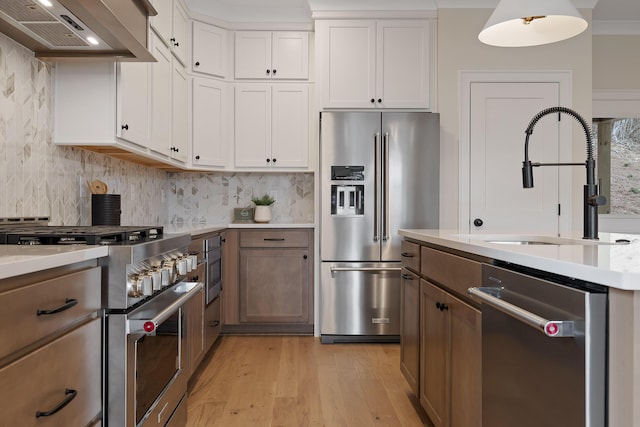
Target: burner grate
column 78, row 235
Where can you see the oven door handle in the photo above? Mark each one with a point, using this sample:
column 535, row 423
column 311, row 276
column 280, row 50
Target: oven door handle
column 165, row 305
column 551, row 328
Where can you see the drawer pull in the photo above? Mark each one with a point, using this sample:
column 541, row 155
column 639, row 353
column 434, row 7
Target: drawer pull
column 407, row 254
column 215, row 323
column 274, row 239
column 68, row 303
column 71, row 394
column 406, row 276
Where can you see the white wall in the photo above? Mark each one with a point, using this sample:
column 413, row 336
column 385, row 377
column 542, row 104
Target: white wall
column 459, row 49
column 616, row 62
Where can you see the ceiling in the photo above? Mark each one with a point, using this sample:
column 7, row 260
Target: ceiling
column 610, row 12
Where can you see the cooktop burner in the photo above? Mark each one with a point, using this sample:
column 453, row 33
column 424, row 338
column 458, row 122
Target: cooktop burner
column 18, row 234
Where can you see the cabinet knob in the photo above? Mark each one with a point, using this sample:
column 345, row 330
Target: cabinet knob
column 197, row 63
column 268, row 160
column 274, row 160
column 125, row 127
column 379, row 100
column 478, row 222
column 197, row 157
column 304, row 257
column 373, row 101
column 275, row 71
column 268, row 71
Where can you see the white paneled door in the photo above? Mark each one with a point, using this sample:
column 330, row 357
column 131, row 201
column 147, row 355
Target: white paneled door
column 499, row 115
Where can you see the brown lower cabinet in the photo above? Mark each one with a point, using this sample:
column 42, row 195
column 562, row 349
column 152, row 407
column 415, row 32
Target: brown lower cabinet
column 194, row 332
column 450, row 380
column 441, row 335
column 272, row 290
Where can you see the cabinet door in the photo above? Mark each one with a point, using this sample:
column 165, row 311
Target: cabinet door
column 290, row 55
column 134, row 101
column 410, row 329
column 180, row 33
column 253, row 125
column 162, row 22
column 274, row 285
column 195, row 331
column 403, row 63
column 161, row 97
column 179, row 112
column 209, row 49
column 210, row 121
column 466, row 364
column 253, row 55
column 435, row 354
column 290, row 126
column 347, row 56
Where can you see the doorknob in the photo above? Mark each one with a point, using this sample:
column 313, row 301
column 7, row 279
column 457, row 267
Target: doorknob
column 478, row 222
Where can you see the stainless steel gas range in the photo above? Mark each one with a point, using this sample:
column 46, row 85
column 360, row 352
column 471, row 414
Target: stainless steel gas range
column 144, row 289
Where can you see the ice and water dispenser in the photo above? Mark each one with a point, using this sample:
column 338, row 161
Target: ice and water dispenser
column 347, row 198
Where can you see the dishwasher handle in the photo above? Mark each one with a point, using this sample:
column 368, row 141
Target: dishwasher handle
column 551, row 328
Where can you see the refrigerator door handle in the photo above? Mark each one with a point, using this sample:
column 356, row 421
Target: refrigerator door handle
column 385, row 187
column 376, row 188
column 335, row 270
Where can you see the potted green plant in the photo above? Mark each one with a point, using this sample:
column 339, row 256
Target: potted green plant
column 263, row 208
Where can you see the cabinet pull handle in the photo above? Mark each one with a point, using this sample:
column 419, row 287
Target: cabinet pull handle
column 68, row 303
column 406, row 276
column 215, row 323
column 407, row 254
column 274, row 239
column 71, row 394
column 442, row 306
column 125, row 127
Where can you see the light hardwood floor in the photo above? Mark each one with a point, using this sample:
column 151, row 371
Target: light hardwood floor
column 297, row 381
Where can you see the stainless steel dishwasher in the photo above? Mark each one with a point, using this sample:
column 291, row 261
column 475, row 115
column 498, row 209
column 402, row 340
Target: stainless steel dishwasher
column 543, row 349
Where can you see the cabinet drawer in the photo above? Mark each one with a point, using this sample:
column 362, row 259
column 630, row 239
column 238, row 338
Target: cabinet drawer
column 410, row 253
column 20, row 307
column 274, row 239
column 451, row 271
column 43, row 379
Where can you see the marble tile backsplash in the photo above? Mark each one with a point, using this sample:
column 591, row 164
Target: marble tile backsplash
column 209, row 198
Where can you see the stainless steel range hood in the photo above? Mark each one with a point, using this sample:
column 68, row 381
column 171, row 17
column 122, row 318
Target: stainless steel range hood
column 115, row 30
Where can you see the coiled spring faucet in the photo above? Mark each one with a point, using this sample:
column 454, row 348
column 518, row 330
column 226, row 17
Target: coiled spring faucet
column 591, row 197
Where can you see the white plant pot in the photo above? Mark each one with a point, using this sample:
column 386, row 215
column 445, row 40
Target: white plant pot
column 262, row 214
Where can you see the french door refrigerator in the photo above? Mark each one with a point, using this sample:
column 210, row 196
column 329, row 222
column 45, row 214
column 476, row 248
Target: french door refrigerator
column 379, row 172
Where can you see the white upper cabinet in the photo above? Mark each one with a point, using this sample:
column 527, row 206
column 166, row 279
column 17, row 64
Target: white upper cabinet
column 134, row 114
column 209, row 44
column 271, row 55
column 272, row 125
column 172, row 24
column 169, row 104
column 211, row 119
column 375, row 63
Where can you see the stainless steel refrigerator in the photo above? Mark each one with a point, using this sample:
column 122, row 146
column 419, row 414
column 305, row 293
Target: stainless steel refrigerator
column 379, row 172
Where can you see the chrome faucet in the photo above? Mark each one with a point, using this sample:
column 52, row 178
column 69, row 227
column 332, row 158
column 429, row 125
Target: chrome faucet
column 591, row 197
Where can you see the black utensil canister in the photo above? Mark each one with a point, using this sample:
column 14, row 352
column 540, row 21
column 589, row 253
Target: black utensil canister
column 105, row 209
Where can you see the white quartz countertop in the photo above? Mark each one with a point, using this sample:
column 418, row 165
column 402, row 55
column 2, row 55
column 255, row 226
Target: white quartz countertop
column 604, row 262
column 16, row 260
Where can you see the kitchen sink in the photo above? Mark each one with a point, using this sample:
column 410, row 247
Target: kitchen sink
column 519, row 239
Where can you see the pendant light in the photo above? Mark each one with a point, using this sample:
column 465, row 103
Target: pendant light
column 518, row 23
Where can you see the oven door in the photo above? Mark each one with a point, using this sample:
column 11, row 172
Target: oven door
column 155, row 342
column 214, row 270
